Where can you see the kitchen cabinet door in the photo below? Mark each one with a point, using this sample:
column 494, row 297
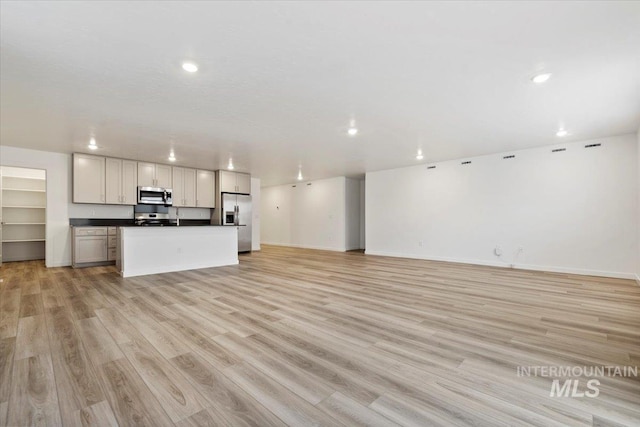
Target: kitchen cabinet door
column 163, row 176
column 178, row 187
column 190, row 187
column 205, row 189
column 113, row 181
column 90, row 249
column 88, row 179
column 243, row 183
column 129, row 182
column 227, row 181
column 146, row 174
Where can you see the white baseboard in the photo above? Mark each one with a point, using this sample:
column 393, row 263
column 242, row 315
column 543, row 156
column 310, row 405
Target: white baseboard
column 638, row 279
column 291, row 245
column 549, row 268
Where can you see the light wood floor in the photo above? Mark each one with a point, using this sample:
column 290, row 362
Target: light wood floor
column 300, row 337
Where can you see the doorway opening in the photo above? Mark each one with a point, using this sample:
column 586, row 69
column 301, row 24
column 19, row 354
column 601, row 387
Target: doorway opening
column 23, row 201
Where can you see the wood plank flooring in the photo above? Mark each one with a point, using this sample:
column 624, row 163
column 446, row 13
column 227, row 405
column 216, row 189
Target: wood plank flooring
column 301, row 337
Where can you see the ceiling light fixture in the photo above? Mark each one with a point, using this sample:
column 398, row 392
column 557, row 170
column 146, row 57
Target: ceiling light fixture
column 353, row 130
column 419, row 156
column 300, row 175
column 189, row 67
column 541, row 78
column 562, row 133
column 172, row 156
column 92, row 144
column 230, row 166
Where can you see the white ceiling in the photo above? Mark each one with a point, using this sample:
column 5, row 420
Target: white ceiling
column 280, row 81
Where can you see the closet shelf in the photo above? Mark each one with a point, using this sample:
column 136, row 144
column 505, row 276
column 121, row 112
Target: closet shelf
column 20, row 189
column 23, row 240
column 24, row 223
column 24, row 207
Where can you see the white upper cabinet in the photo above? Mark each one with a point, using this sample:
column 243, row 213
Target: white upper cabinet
column 184, row 187
column 227, row 181
column 205, row 189
column 97, row 179
column 129, row 182
column 243, row 183
column 234, row 182
column 146, row 174
column 178, row 187
column 88, row 179
column 154, row 175
column 190, row 187
column 163, row 176
column 113, row 181
column 121, row 182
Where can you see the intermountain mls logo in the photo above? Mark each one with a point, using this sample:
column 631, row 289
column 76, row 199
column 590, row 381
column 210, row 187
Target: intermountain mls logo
column 577, row 381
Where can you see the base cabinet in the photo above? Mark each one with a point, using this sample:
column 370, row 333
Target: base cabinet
column 93, row 246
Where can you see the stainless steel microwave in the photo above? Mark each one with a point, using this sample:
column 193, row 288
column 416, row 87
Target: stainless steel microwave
column 154, row 196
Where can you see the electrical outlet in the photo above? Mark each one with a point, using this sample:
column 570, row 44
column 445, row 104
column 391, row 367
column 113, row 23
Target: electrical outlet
column 498, row 250
column 520, row 249
column 93, row 213
column 420, row 243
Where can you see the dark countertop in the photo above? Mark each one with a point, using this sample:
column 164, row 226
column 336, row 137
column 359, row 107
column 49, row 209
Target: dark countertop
column 109, row 222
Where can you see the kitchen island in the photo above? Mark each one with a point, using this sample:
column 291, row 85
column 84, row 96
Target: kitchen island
column 152, row 250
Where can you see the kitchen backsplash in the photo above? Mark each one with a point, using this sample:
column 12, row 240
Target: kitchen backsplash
column 77, row 210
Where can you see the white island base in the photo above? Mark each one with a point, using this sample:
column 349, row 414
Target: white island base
column 152, row 250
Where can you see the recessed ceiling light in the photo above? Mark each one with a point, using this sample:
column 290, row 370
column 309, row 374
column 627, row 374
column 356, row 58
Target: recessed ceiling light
column 419, row 156
column 352, row 131
column 300, row 175
column 562, row 133
column 189, row 67
column 92, row 144
column 541, row 78
column 230, row 166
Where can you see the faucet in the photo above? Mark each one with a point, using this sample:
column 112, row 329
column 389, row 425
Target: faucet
column 177, row 217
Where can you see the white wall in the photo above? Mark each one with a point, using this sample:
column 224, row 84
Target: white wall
column 58, row 168
column 638, row 209
column 303, row 215
column 572, row 211
column 352, row 214
column 275, row 208
column 255, row 209
column 362, row 214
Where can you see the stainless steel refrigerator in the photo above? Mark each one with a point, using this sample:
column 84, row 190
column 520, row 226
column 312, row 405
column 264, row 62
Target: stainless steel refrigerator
column 236, row 210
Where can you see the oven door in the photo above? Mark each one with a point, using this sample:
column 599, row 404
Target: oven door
column 151, row 196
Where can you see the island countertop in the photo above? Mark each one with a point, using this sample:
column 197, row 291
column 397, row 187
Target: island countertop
column 152, row 250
